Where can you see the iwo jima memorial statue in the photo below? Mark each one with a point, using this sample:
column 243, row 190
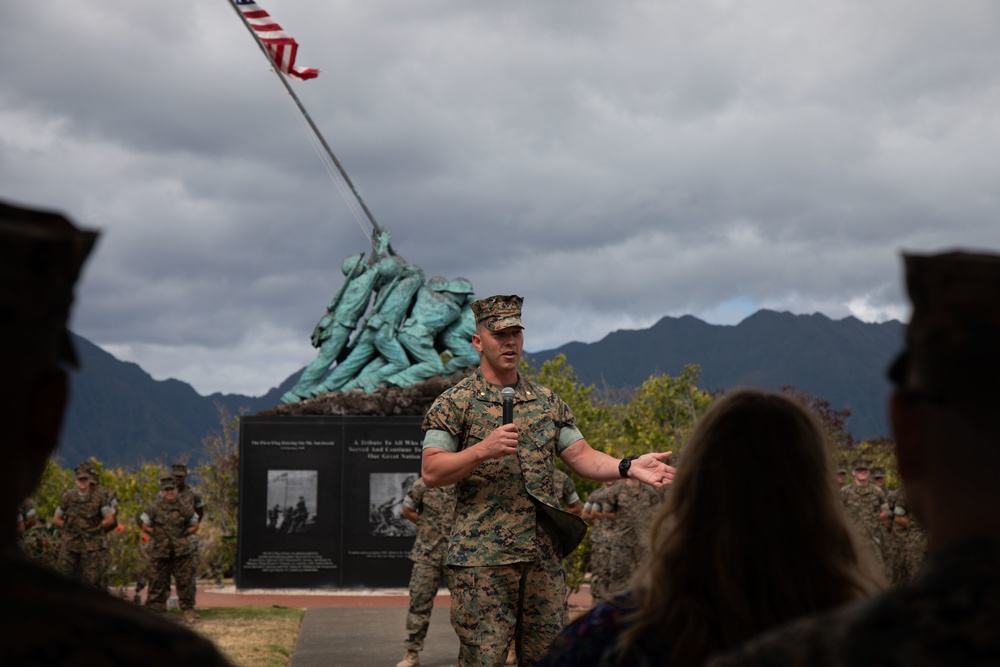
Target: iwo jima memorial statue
column 324, row 474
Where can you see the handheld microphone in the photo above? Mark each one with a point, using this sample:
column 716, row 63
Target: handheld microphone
column 507, row 396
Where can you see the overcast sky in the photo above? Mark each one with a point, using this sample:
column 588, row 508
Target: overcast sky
column 613, row 162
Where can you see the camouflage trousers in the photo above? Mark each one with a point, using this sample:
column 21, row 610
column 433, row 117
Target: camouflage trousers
column 624, row 558
column 160, row 571
column 600, row 570
column 88, row 566
column 491, row 606
column 425, row 580
column 910, row 551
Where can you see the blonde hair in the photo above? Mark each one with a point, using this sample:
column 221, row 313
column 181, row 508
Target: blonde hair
column 753, row 532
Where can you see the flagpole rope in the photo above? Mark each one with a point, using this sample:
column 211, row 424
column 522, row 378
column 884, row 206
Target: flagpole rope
column 306, row 118
column 334, row 177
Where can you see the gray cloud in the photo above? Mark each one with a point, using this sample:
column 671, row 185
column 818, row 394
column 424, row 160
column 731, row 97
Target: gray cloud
column 613, row 162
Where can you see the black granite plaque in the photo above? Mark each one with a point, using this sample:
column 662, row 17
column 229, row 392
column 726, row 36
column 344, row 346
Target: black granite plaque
column 381, row 460
column 321, row 498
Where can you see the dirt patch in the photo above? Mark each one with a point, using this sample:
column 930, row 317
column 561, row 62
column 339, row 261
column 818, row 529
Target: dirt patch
column 252, row 636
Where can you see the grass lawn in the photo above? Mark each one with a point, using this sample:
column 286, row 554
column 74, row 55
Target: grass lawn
column 252, row 636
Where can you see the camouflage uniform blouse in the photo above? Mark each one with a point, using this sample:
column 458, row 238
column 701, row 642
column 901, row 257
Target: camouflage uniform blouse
column 565, row 488
column 436, row 508
column 497, row 503
column 863, row 504
column 170, row 521
column 83, row 516
column 949, row 615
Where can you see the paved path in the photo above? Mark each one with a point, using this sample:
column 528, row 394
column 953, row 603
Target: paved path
column 355, row 628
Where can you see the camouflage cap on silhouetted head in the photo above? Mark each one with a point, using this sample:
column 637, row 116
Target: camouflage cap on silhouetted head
column 167, row 483
column 498, row 312
column 952, row 349
column 86, row 468
column 41, row 255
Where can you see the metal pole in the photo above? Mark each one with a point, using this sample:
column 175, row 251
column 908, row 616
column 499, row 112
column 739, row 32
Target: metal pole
column 305, row 114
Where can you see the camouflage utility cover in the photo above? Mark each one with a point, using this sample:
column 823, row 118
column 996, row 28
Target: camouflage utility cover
column 503, row 501
column 498, row 312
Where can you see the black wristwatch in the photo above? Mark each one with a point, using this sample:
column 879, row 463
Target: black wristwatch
column 624, row 465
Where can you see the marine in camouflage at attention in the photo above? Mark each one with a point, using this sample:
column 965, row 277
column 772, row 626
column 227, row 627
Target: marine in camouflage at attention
column 596, row 510
column 628, row 509
column 186, row 494
column 566, row 492
column 169, row 522
column 909, row 539
column 863, row 502
column 433, row 511
column 510, row 534
column 944, row 420
column 84, row 515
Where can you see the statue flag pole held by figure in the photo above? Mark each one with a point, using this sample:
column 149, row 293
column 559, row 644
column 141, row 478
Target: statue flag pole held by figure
column 280, row 49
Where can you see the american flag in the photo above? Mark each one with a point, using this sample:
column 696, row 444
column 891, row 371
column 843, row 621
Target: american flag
column 279, row 43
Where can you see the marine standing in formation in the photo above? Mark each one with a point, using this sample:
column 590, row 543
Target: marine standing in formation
column 169, row 522
column 600, row 536
column 510, row 535
column 566, row 492
column 628, row 508
column 186, row 494
column 84, row 514
column 908, row 539
column 433, row 512
column 863, row 503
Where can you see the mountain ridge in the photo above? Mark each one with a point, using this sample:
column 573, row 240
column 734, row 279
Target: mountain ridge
column 122, row 416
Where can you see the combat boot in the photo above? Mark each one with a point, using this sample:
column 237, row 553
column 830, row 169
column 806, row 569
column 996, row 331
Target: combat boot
column 411, row 659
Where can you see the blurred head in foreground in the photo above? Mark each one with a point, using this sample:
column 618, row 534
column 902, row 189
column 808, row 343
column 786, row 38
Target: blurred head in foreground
column 752, row 535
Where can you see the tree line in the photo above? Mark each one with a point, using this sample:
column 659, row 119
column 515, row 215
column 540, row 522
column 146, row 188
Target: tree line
column 658, row 415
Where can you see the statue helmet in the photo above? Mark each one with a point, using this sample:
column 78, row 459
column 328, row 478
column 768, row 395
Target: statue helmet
column 390, row 267
column 437, row 284
column 459, row 286
column 352, row 264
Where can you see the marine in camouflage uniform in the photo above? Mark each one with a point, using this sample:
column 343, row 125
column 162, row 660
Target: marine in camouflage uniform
column 863, row 502
column 944, row 417
column 908, row 537
column 169, row 522
column 47, row 618
column 27, row 517
column 84, row 515
column 186, row 494
column 510, row 535
column 566, row 492
column 630, row 507
column 433, row 510
column 600, row 537
column 108, row 499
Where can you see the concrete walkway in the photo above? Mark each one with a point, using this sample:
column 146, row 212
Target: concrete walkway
column 369, row 637
column 356, row 628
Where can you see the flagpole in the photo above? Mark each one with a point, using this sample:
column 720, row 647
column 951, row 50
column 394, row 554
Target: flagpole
column 305, row 114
